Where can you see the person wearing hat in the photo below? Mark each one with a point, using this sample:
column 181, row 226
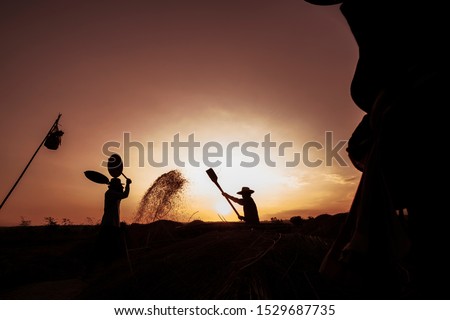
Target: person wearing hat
column 400, row 82
column 110, row 224
column 249, row 205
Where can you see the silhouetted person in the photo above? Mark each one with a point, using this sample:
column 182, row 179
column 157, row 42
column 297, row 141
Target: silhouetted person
column 110, row 237
column 249, row 205
column 400, row 82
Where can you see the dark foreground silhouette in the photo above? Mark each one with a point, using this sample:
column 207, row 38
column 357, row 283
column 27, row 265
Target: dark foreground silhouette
column 400, row 83
column 198, row 260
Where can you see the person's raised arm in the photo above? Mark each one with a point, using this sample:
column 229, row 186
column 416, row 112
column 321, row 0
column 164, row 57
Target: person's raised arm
column 234, row 199
column 126, row 192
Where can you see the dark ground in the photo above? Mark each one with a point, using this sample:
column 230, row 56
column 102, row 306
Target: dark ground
column 171, row 260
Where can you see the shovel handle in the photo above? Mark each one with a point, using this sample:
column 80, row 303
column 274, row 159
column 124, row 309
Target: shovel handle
column 220, row 188
column 212, row 175
column 237, row 213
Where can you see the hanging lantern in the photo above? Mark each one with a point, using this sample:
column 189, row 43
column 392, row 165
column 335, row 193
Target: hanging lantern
column 53, row 140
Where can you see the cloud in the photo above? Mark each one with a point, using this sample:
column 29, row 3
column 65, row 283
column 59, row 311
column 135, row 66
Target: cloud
column 339, row 179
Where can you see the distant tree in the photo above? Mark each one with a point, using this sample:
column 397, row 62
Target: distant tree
column 275, row 220
column 297, row 221
column 91, row 221
column 24, row 223
column 66, row 222
column 50, row 221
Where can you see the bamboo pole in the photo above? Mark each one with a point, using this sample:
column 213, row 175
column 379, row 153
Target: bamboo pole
column 55, row 124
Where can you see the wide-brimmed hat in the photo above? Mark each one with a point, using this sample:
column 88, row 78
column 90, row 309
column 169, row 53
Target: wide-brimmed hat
column 245, row 190
column 324, row 2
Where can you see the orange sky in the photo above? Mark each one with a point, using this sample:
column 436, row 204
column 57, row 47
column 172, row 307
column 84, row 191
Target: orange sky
column 224, row 71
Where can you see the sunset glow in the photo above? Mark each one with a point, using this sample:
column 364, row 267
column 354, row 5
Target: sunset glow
column 136, row 73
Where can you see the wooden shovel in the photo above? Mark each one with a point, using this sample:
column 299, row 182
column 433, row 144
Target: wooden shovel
column 212, row 175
